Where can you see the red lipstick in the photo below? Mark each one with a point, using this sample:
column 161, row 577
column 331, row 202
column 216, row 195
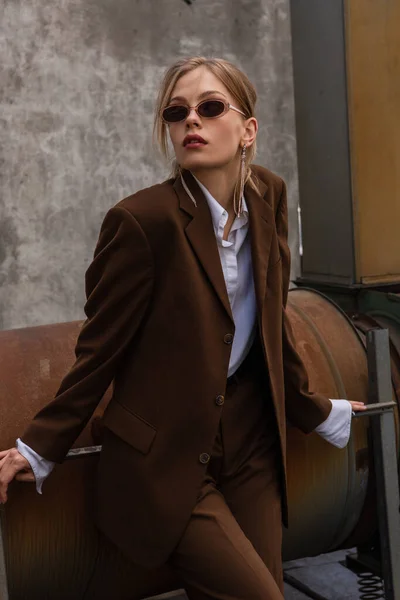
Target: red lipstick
column 194, row 141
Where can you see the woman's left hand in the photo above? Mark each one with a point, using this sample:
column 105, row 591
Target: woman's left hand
column 357, row 406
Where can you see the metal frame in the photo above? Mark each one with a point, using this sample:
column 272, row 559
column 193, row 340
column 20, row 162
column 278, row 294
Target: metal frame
column 381, row 409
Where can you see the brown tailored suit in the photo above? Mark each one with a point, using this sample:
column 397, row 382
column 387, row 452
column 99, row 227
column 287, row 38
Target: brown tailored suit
column 231, row 547
column 159, row 326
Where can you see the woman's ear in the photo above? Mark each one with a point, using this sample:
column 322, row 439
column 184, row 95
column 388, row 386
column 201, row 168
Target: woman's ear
column 250, row 133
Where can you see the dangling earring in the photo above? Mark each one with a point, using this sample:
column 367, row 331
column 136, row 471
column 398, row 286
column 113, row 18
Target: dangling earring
column 238, row 206
column 178, row 168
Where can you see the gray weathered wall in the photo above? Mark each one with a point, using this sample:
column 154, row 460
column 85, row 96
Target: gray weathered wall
column 78, row 83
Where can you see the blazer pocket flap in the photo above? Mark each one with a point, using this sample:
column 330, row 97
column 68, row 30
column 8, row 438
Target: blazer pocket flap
column 130, row 427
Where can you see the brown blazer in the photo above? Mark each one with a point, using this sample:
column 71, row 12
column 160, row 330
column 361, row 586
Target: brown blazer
column 159, row 326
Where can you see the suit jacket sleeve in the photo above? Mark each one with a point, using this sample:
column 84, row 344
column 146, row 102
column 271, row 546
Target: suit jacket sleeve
column 118, row 289
column 304, row 409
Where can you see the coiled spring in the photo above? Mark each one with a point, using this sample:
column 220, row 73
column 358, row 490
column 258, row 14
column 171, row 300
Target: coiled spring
column 370, row 586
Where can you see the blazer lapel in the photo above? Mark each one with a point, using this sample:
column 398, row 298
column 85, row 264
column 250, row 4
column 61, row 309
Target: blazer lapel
column 261, row 220
column 200, row 233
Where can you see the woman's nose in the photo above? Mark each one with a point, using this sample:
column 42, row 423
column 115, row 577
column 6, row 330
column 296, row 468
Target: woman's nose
column 192, row 118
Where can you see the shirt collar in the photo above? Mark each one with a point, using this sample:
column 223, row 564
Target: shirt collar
column 217, row 210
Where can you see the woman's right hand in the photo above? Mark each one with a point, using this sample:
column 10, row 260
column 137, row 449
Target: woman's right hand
column 13, row 465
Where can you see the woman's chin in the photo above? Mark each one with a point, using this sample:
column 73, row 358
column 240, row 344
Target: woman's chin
column 196, row 163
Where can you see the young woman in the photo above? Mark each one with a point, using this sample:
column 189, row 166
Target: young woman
column 186, row 315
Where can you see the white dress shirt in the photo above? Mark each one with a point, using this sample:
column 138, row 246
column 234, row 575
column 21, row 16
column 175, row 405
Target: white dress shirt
column 235, row 255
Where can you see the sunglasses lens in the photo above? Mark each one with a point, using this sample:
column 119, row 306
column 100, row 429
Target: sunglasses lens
column 173, row 114
column 211, row 108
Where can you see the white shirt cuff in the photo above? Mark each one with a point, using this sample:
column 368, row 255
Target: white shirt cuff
column 40, row 466
column 337, row 427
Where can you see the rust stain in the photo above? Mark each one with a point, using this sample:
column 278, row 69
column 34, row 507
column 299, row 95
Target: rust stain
column 44, row 368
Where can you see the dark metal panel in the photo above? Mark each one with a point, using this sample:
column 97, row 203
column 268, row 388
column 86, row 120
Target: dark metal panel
column 319, row 68
column 385, row 455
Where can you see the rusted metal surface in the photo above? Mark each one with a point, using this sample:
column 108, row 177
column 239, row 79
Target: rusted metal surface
column 32, row 363
column 51, row 544
column 368, row 521
column 327, row 486
column 52, row 548
column 365, row 322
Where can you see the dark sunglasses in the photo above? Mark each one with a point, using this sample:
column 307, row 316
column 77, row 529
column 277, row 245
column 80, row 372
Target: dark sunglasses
column 208, row 109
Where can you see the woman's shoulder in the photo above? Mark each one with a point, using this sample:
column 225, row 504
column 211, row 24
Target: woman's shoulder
column 156, row 210
column 156, row 199
column 272, row 180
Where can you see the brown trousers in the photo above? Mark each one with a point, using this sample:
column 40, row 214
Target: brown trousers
column 231, row 548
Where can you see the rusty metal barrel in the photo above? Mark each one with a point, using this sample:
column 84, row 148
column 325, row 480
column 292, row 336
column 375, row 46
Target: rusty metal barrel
column 53, row 549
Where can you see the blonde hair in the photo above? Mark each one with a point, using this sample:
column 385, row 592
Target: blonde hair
column 236, row 82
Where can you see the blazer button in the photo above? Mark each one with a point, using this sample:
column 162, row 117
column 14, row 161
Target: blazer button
column 204, row 458
column 219, row 400
column 228, row 338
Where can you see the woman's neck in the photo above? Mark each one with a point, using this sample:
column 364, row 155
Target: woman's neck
column 220, row 183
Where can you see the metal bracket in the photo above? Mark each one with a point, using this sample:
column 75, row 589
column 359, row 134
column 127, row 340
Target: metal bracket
column 381, row 408
column 82, row 452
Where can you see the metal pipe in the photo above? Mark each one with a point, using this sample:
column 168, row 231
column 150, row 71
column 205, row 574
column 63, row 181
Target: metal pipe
column 375, row 409
column 83, row 452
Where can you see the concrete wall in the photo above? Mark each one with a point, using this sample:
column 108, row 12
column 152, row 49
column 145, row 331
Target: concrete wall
column 78, row 83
